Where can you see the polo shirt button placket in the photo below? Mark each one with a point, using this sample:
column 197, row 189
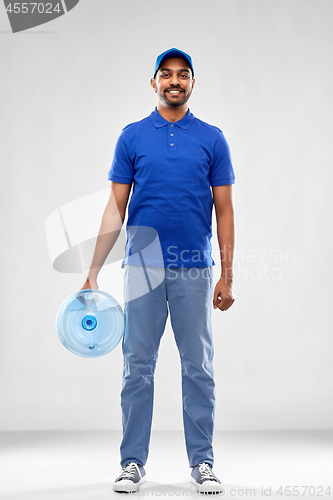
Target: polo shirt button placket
column 172, row 144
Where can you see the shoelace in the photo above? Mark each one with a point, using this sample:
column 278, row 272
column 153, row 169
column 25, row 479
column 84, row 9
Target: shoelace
column 129, row 471
column 206, row 472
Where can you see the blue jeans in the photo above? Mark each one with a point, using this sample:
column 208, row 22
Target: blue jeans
column 189, row 293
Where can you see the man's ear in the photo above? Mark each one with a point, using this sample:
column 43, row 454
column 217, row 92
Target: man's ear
column 153, row 83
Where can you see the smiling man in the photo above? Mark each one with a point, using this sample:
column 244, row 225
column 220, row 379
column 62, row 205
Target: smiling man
column 179, row 167
column 174, row 85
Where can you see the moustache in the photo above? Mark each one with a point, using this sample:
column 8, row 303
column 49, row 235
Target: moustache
column 174, row 88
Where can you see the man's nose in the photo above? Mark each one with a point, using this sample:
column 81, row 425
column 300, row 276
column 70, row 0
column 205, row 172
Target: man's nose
column 174, row 80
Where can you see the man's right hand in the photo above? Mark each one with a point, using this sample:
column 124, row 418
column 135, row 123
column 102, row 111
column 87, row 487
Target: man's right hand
column 90, row 284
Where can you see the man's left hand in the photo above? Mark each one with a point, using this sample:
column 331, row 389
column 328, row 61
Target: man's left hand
column 224, row 295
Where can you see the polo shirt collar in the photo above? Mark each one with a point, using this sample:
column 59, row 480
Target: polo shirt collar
column 159, row 121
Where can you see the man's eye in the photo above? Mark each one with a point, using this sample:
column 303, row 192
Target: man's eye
column 165, row 74
column 185, row 75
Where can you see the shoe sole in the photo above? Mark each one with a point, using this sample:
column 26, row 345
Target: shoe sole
column 127, row 486
column 208, row 487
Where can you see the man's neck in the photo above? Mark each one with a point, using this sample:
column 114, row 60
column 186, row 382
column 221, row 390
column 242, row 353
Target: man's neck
column 172, row 114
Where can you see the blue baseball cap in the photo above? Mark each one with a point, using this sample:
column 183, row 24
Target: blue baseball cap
column 173, row 53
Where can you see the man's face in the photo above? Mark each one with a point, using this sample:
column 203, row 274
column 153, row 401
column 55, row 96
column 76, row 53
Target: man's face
column 173, row 82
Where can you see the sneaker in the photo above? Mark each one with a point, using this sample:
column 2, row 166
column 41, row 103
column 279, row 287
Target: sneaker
column 130, row 479
column 204, row 479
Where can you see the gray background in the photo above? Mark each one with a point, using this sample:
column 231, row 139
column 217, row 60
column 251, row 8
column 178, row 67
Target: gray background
column 264, row 76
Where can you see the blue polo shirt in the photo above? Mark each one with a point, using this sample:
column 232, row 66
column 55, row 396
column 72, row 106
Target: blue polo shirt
column 173, row 166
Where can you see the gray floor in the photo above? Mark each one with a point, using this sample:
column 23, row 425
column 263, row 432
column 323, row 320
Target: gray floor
column 82, row 465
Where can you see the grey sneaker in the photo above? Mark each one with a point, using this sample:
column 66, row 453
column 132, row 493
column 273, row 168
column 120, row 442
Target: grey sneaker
column 130, row 478
column 204, row 479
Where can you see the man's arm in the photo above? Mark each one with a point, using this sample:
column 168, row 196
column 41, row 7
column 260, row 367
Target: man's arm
column 223, row 295
column 111, row 224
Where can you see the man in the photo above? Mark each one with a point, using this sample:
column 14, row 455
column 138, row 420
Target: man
column 173, row 160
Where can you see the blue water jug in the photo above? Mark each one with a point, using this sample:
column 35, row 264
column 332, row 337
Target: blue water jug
column 90, row 323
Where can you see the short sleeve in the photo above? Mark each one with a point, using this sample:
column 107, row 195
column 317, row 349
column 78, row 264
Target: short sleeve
column 221, row 170
column 121, row 169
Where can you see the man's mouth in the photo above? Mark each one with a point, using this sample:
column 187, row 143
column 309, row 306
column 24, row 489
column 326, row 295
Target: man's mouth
column 174, row 92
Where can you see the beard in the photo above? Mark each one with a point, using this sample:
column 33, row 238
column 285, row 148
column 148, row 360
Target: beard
column 172, row 103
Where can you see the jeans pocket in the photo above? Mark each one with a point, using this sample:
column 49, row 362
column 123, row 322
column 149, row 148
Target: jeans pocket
column 207, row 273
